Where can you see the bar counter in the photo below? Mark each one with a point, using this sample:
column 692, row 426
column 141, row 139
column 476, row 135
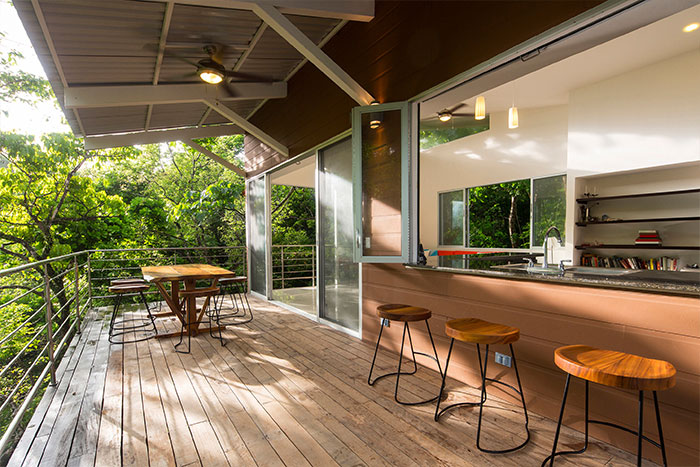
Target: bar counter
column 662, row 282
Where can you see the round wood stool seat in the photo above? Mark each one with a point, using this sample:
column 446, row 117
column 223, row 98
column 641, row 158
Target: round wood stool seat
column 404, row 313
column 203, row 292
column 617, row 369
column 478, row 331
column 129, row 288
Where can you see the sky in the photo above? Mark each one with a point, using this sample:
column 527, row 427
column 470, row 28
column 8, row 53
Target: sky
column 45, row 117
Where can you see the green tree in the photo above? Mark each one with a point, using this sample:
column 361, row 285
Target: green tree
column 17, row 85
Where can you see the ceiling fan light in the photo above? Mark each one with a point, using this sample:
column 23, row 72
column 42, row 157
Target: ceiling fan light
column 210, row 76
column 445, row 116
column 513, row 117
column 480, row 108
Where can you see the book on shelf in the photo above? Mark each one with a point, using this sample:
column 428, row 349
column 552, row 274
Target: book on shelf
column 663, row 263
column 648, row 237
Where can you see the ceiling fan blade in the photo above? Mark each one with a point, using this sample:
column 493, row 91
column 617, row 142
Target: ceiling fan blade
column 463, row 115
column 457, row 107
column 240, row 76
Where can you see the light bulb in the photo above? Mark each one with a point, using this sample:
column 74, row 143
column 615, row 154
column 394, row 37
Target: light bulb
column 513, row 117
column 444, row 116
column 480, row 108
column 691, row 27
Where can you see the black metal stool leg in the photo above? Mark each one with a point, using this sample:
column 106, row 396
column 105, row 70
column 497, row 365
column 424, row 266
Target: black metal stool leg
column 117, row 302
column 148, row 312
column 442, row 386
column 376, row 349
column 551, row 457
column 483, row 400
column 640, row 429
column 661, row 433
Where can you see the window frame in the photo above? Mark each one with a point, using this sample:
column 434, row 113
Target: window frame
column 407, row 181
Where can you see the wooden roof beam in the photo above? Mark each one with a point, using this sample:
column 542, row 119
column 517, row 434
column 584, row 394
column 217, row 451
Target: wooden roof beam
column 297, row 39
column 123, row 96
column 355, row 10
column 215, row 157
column 247, row 126
column 159, row 136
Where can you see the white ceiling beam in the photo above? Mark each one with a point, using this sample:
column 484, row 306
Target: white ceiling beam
column 247, row 126
column 215, row 157
column 159, row 136
column 277, row 21
column 165, row 27
column 121, row 96
column 355, row 10
column 323, row 42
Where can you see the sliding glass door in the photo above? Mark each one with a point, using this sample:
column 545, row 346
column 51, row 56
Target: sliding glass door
column 257, row 234
column 339, row 275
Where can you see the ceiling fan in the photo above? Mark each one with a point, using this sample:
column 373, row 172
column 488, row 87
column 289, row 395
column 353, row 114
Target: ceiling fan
column 445, row 115
column 211, row 69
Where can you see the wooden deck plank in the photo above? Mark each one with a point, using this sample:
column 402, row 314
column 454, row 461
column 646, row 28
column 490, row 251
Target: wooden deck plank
column 184, row 448
column 36, row 451
column 283, row 391
column 109, row 440
column 160, row 446
column 134, row 446
column 84, row 446
column 58, row 444
column 24, row 444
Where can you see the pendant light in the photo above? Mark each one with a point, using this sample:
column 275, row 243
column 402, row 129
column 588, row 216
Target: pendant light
column 513, row 113
column 513, row 117
column 480, row 108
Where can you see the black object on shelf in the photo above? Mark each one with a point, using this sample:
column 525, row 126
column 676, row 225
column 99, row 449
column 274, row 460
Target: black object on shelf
column 638, row 195
column 653, row 219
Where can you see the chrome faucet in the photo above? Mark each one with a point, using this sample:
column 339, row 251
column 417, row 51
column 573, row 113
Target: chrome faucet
column 545, row 263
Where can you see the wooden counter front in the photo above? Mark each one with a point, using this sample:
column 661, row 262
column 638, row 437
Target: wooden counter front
column 550, row 315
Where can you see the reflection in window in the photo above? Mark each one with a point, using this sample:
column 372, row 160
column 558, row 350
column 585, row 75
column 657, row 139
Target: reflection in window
column 434, row 132
column 499, row 215
column 452, row 218
column 548, row 206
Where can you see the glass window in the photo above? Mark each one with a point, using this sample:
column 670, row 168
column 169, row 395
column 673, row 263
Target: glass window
column 499, row 215
column 452, row 218
column 548, row 206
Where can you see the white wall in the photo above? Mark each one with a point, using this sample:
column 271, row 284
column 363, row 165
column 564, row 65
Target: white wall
column 643, row 118
column 536, row 148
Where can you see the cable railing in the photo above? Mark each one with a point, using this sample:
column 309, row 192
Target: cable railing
column 293, row 266
column 44, row 304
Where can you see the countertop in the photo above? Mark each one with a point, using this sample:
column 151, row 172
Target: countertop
column 642, row 281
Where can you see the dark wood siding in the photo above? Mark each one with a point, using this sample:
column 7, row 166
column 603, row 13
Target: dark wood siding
column 408, row 48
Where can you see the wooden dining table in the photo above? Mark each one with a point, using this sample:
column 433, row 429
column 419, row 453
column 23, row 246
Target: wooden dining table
column 189, row 274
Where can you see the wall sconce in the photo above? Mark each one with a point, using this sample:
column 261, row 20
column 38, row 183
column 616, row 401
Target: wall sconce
column 480, row 108
column 513, row 117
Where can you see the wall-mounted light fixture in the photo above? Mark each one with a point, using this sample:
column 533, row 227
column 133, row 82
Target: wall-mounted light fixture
column 375, row 118
column 480, row 108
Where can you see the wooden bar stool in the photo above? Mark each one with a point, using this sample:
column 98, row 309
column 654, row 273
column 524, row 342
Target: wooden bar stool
column 405, row 314
column 234, row 287
column 187, row 322
column 619, row 370
column 118, row 328
column 479, row 332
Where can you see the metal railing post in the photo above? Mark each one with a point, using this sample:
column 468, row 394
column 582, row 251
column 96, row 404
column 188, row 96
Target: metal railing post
column 77, row 294
column 49, row 325
column 89, row 280
column 282, row 260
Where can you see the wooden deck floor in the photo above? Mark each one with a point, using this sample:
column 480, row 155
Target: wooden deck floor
column 283, row 391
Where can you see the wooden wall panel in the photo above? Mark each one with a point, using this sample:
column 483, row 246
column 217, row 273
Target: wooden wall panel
column 409, row 47
column 551, row 315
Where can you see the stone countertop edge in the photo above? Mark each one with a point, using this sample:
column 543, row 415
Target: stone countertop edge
column 665, row 288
